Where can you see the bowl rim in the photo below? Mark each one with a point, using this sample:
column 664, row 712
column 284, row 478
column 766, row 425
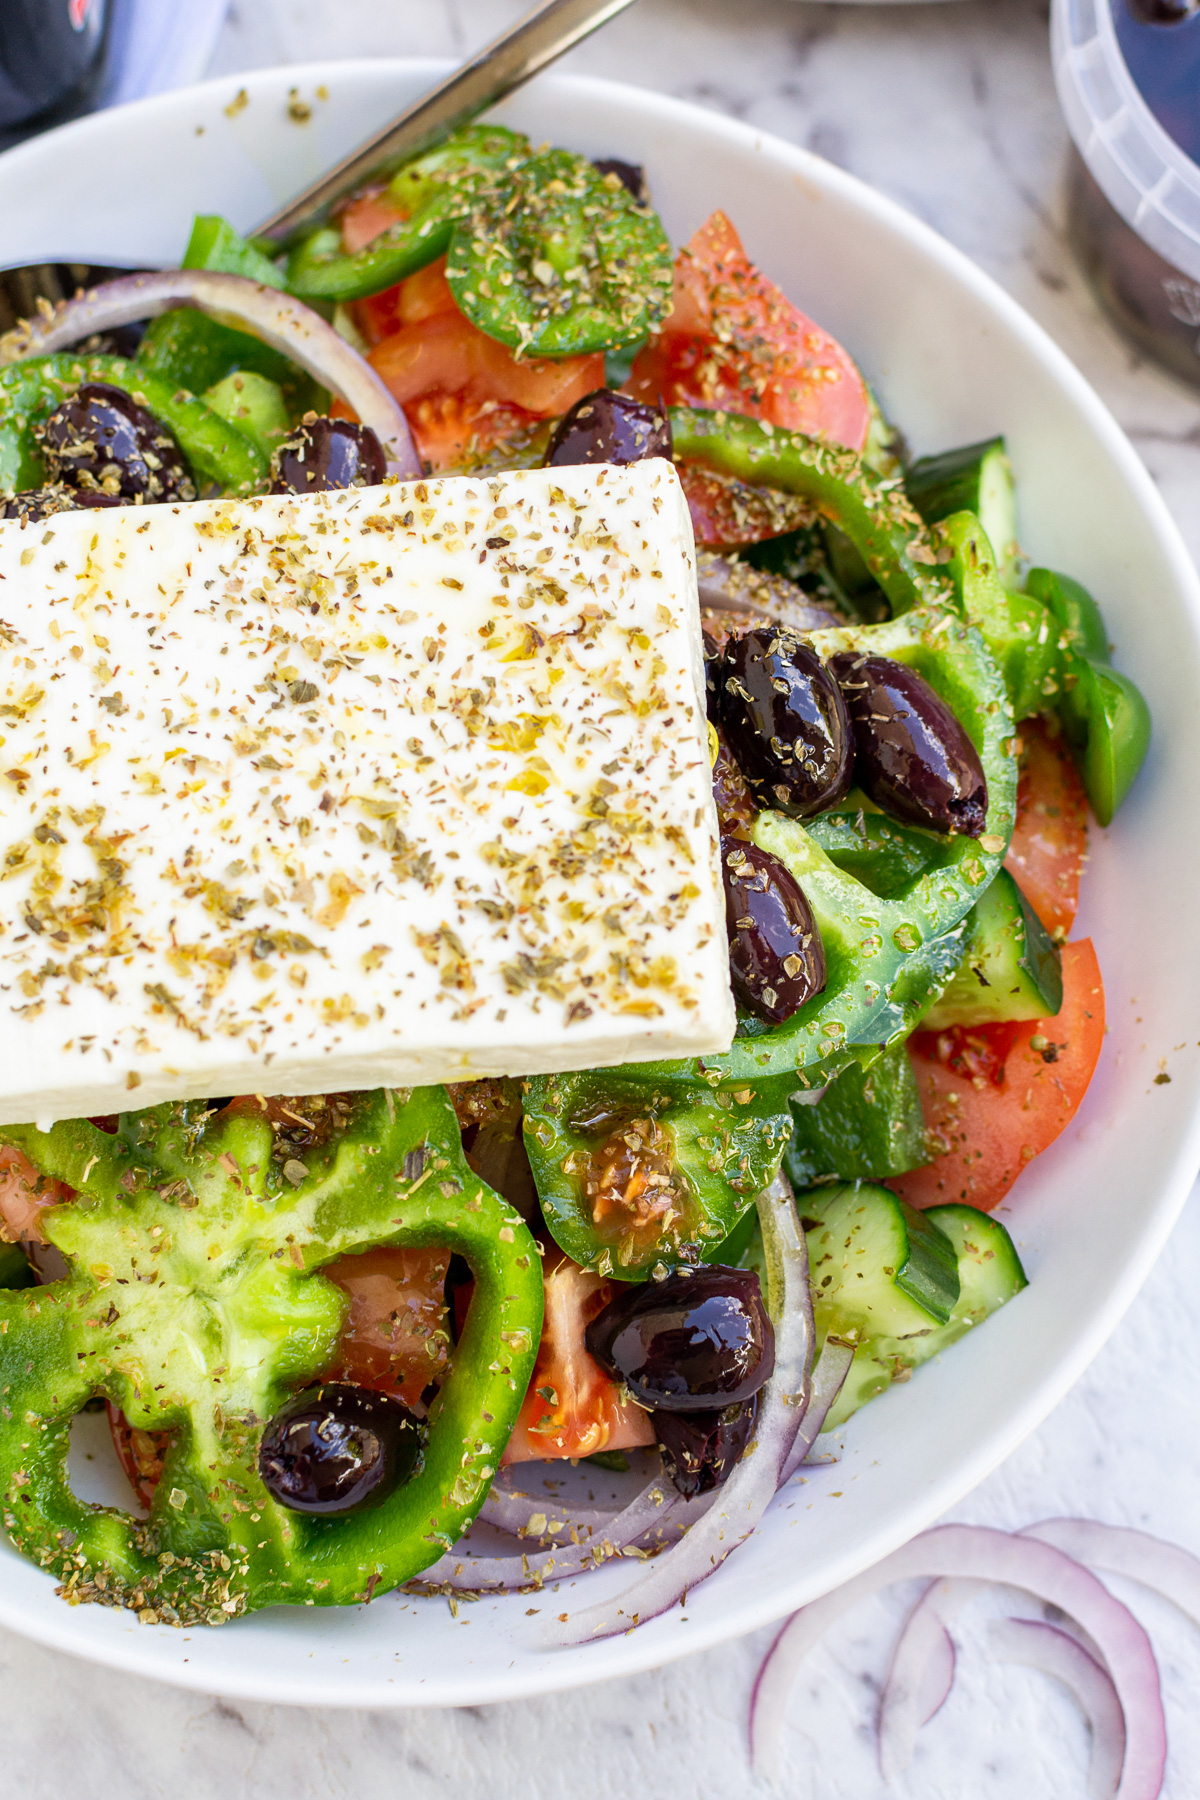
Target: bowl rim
column 137, row 1653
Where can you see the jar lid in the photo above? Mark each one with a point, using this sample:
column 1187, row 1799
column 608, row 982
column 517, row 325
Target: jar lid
column 1141, row 170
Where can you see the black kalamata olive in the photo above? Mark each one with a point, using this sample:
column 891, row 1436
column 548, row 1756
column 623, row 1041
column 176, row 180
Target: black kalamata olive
column 735, row 806
column 100, row 440
column 690, row 1343
column 913, row 757
column 631, row 176
column 41, row 503
column 326, row 454
column 701, row 1449
column 786, row 722
column 338, row 1449
column 776, row 957
column 607, row 427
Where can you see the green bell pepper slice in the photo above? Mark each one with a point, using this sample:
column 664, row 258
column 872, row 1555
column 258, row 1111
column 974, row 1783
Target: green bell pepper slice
column 1081, row 619
column 1104, row 715
column 29, row 391
column 872, row 510
column 868, row 1125
column 194, row 1302
column 1107, row 724
column 214, row 244
column 881, row 853
column 435, row 191
column 635, row 1179
column 557, row 259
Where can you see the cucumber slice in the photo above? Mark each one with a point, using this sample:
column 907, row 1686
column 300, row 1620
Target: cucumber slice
column 989, row 1269
column 990, row 1275
column 1012, row 969
column 869, row 1124
column 878, row 1268
column 977, row 478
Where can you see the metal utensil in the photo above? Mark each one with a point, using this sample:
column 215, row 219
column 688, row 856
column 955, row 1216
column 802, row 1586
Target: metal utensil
column 500, row 67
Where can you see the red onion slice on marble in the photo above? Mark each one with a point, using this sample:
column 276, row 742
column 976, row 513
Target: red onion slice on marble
column 280, row 320
column 738, row 1506
column 912, row 1691
column 1165, row 1568
column 978, row 1553
column 1056, row 1653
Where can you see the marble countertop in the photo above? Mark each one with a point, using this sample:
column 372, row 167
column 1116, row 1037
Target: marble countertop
column 951, row 110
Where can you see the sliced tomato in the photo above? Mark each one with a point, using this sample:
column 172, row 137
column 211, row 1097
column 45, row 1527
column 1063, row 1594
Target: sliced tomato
column 1049, row 841
column 572, row 1408
column 24, row 1196
column 997, row 1096
column 460, row 389
column 140, row 1453
column 367, row 215
column 422, row 296
column 734, row 341
column 727, row 512
column 396, row 1337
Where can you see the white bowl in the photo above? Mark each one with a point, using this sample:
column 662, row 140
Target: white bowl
column 954, row 359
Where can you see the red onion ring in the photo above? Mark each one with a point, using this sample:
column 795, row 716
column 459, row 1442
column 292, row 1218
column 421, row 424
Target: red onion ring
column 519, row 1514
column 1164, row 1568
column 462, row 1572
column 916, row 1672
column 738, row 1506
column 829, row 1372
column 979, row 1553
column 1054, row 1652
column 280, row 320
column 732, row 587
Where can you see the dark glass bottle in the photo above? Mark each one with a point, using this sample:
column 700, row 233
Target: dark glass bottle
column 51, row 62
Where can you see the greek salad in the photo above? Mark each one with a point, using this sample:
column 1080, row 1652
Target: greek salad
column 328, row 1328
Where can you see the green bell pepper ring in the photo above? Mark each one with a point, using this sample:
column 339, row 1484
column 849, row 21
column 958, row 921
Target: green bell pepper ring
column 886, row 956
column 29, row 391
column 873, row 511
column 214, row 244
column 633, row 1179
column 194, row 1301
column 1105, row 717
column 556, row 259
column 435, row 192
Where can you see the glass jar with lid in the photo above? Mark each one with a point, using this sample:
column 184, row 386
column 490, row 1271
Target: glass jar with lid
column 1129, row 82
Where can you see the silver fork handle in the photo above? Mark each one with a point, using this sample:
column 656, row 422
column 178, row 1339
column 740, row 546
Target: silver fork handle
column 504, row 64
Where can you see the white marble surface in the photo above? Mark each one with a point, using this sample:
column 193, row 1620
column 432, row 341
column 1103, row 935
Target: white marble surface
column 951, row 110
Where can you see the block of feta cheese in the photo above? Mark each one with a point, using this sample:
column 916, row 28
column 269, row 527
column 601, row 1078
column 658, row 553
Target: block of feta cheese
column 400, row 785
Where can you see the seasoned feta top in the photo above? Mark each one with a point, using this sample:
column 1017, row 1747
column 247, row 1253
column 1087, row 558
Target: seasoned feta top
column 397, row 785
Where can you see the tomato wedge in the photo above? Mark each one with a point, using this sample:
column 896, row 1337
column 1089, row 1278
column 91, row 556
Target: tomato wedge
column 727, row 512
column 1049, row 841
column 997, row 1096
column 460, row 389
column 396, row 1337
column 367, row 215
column 572, row 1408
column 734, row 341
